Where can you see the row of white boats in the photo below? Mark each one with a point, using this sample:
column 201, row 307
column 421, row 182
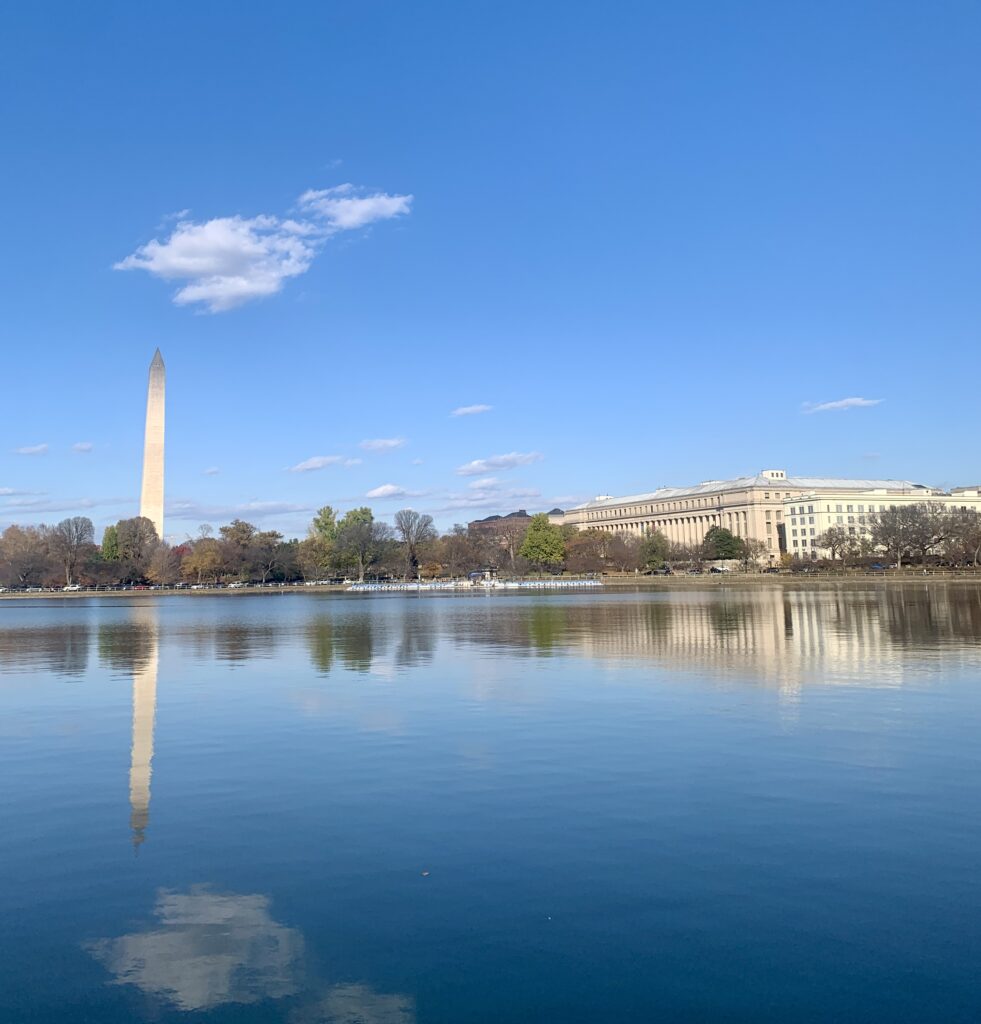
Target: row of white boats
column 374, row 588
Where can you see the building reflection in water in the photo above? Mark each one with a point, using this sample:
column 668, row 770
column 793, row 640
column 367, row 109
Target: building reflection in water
column 208, row 949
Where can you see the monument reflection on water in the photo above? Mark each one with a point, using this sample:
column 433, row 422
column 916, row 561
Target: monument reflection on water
column 679, row 805
column 144, row 720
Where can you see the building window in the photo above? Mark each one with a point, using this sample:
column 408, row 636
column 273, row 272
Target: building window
column 838, row 509
column 861, row 508
column 795, row 543
column 812, row 531
column 851, row 529
column 840, row 519
column 795, row 533
column 810, row 519
column 851, row 519
column 810, row 508
column 851, row 508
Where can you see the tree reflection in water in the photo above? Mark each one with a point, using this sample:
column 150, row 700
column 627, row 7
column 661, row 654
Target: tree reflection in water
column 62, row 649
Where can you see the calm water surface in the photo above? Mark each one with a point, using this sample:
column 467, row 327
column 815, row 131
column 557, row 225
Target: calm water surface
column 716, row 805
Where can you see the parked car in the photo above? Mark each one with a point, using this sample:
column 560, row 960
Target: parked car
column 72, row 587
column 237, row 585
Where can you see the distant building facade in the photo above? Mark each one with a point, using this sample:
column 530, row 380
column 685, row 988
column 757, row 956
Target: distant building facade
column 751, row 507
column 496, row 525
column 808, row 516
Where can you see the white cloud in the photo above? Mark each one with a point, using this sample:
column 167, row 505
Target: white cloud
column 32, row 449
column 484, row 483
column 471, row 410
column 44, row 504
column 417, row 462
column 82, row 447
column 383, row 444
column 509, row 461
column 208, row 949
column 346, row 207
column 322, row 462
column 494, row 498
column 189, row 509
column 228, row 261
column 387, row 491
column 841, row 404
column 212, row 471
column 393, row 491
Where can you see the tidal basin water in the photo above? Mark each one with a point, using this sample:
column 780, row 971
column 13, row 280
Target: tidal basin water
column 698, row 805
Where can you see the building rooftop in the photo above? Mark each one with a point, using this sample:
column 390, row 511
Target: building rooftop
column 798, row 483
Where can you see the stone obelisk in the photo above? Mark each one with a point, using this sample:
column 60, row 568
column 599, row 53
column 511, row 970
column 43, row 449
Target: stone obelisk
column 152, row 495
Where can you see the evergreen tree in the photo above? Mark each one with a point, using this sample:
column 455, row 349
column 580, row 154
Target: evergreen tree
column 543, row 545
column 110, row 544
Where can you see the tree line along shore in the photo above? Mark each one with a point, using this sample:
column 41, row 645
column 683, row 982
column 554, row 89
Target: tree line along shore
column 357, row 546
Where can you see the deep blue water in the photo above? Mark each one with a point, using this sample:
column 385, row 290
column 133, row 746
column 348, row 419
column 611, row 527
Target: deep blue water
column 714, row 805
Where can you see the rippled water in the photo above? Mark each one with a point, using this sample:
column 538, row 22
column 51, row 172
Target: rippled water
column 701, row 805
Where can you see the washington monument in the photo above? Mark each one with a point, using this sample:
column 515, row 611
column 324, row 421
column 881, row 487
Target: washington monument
column 152, row 495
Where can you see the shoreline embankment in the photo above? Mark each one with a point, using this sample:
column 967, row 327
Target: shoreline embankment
column 735, row 581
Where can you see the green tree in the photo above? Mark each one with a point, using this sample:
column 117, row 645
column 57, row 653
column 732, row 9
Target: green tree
column 654, row 550
column 543, row 545
column 721, row 543
column 360, row 540
column 110, row 544
column 324, row 525
column 137, row 540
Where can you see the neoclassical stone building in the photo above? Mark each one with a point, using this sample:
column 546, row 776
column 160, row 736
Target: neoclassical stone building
column 749, row 506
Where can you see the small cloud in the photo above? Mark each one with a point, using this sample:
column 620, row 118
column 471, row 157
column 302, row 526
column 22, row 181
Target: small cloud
column 481, row 466
column 383, row 444
column 471, row 410
column 346, row 207
column 32, row 449
column 417, row 462
column 484, row 483
column 212, row 471
column 841, row 404
column 82, row 447
column 321, row 462
column 387, row 491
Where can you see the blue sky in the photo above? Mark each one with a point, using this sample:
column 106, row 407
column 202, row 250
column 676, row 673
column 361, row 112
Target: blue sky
column 653, row 238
